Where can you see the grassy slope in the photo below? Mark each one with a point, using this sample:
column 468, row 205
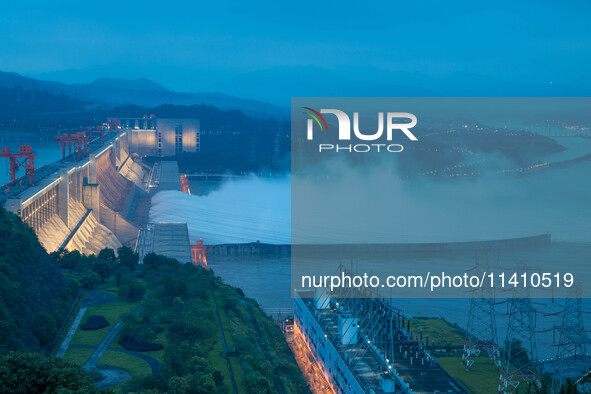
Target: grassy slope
column 236, row 368
column 483, row 377
column 443, row 333
column 78, row 356
column 134, row 365
column 111, row 311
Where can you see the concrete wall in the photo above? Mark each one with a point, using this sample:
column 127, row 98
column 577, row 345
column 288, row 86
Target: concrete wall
column 134, row 172
column 125, row 231
column 53, row 233
column 67, row 207
column 167, row 132
column 143, row 142
column 257, row 248
column 253, row 248
column 159, row 136
column 442, row 248
column 114, row 187
column 92, row 198
column 172, row 240
column 91, row 236
column 168, row 176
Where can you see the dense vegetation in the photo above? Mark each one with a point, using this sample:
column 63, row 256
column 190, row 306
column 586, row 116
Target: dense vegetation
column 18, row 102
column 30, row 373
column 179, row 306
column 34, row 300
column 178, row 303
column 34, row 296
column 181, row 298
column 97, row 269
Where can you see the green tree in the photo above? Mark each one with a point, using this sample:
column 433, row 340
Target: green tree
column 175, row 288
column 132, row 290
column 70, row 260
column 261, row 387
column 123, row 275
column 44, row 328
column 178, row 385
column 178, row 305
column 154, row 260
column 56, row 255
column 104, row 268
column 202, row 384
column 197, row 364
column 127, row 257
column 107, row 254
column 90, row 279
column 32, row 373
column 71, row 289
column 218, row 378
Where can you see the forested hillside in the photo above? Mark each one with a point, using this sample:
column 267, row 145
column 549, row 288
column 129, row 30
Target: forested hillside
column 34, row 296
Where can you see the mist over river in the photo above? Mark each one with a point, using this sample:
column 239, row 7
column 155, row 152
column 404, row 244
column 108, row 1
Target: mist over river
column 254, row 209
column 249, row 209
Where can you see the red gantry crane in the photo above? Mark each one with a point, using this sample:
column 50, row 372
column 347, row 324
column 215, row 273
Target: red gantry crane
column 63, row 140
column 25, row 158
column 112, row 125
column 199, row 252
column 97, row 129
column 185, row 184
column 79, row 140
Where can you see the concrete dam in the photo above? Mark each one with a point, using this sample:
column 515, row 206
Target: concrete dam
column 100, row 201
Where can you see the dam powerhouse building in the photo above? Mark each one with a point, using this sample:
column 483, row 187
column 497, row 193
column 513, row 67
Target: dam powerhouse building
column 365, row 345
column 154, row 136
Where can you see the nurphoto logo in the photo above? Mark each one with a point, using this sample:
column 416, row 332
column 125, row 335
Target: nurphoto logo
column 392, row 125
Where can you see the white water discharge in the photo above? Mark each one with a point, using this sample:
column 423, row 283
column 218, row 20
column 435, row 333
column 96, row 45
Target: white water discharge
column 254, row 209
column 245, row 210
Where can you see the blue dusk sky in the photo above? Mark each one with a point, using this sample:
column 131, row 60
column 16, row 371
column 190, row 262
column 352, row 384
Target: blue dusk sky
column 197, row 46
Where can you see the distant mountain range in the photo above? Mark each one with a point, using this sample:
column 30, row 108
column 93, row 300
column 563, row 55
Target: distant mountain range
column 18, row 103
column 110, row 92
column 278, row 84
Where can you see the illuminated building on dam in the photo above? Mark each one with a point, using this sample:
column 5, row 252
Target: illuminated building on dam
column 150, row 135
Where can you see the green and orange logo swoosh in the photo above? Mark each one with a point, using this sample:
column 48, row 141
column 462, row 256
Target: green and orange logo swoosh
column 315, row 115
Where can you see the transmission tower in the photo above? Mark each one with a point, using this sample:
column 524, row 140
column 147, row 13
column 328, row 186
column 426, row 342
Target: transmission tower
column 521, row 362
column 481, row 331
column 572, row 337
